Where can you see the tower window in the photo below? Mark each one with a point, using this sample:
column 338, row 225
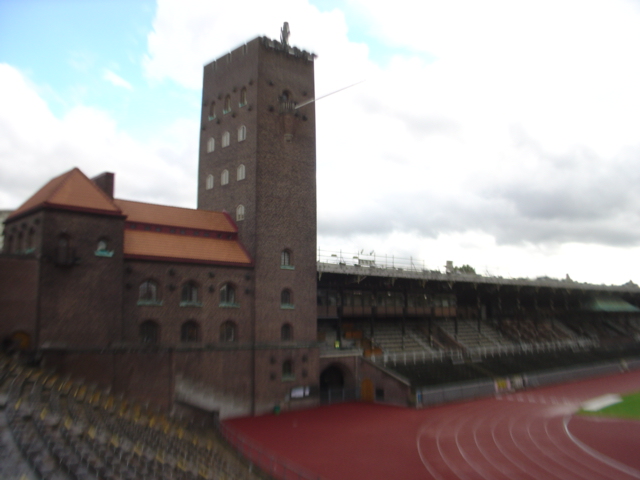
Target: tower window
column 287, row 370
column 190, row 331
column 148, row 292
column 228, row 331
column 189, row 295
column 211, row 145
column 286, row 299
column 286, row 332
column 242, row 133
column 224, row 178
column 240, row 213
column 212, row 111
column 241, row 172
column 209, row 184
column 228, row 296
column 286, row 259
column 243, row 97
column 149, row 332
column 227, row 104
column 226, row 138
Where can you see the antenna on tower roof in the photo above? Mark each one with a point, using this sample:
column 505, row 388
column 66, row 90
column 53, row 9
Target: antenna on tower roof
column 336, row 91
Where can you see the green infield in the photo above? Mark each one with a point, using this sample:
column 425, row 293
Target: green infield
column 628, row 407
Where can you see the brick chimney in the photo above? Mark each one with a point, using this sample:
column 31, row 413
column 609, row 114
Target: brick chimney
column 105, row 181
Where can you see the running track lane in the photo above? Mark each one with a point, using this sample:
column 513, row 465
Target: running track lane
column 529, row 435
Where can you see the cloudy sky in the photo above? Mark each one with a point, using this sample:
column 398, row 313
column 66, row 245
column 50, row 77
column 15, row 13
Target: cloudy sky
column 500, row 134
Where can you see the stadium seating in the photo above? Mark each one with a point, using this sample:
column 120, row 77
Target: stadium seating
column 71, row 430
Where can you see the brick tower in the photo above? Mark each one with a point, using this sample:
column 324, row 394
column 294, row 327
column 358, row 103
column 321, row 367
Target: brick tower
column 257, row 162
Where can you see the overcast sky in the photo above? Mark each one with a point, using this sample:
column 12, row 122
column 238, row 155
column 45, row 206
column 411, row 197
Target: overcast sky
column 500, row 134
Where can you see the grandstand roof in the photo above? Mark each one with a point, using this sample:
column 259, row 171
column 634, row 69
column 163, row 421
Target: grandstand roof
column 420, row 274
column 600, row 304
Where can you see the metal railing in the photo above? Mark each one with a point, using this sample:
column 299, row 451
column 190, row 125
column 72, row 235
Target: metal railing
column 417, row 356
column 411, row 267
column 371, row 259
column 338, row 395
column 267, row 461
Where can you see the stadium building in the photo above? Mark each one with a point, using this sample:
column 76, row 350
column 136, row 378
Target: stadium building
column 228, row 308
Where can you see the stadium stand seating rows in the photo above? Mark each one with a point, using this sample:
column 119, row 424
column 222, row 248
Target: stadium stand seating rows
column 388, row 335
column 70, row 430
column 441, row 372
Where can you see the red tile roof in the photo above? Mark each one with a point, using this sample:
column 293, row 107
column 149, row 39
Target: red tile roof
column 165, row 246
column 176, row 216
column 71, row 190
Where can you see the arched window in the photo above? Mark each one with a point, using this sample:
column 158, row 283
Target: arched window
column 149, row 332
column 148, row 291
column 227, row 295
column 286, row 332
column 31, row 239
column 241, row 174
column 209, row 184
column 287, row 370
column 239, row 213
column 189, row 294
column 228, row 331
column 211, row 144
column 102, row 248
column 286, row 298
column 65, row 254
column 243, row 97
column 227, row 104
column 224, row 178
column 212, row 110
column 242, row 133
column 286, row 259
column 226, row 138
column 190, row 331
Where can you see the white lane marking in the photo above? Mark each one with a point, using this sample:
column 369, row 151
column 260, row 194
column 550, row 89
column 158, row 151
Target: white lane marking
column 473, row 465
column 553, row 456
column 594, row 453
column 496, row 462
column 596, row 467
column 424, row 461
column 509, row 457
column 527, row 452
column 451, row 465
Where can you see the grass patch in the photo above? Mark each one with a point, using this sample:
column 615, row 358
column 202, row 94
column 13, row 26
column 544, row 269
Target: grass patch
column 629, row 407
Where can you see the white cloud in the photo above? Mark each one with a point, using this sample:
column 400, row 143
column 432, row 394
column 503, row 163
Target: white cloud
column 36, row 146
column 500, row 134
column 116, row 80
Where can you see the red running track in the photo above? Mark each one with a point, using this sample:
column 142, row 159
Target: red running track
column 530, row 435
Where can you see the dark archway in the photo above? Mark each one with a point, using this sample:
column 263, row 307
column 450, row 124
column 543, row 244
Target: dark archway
column 334, row 387
column 331, row 378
